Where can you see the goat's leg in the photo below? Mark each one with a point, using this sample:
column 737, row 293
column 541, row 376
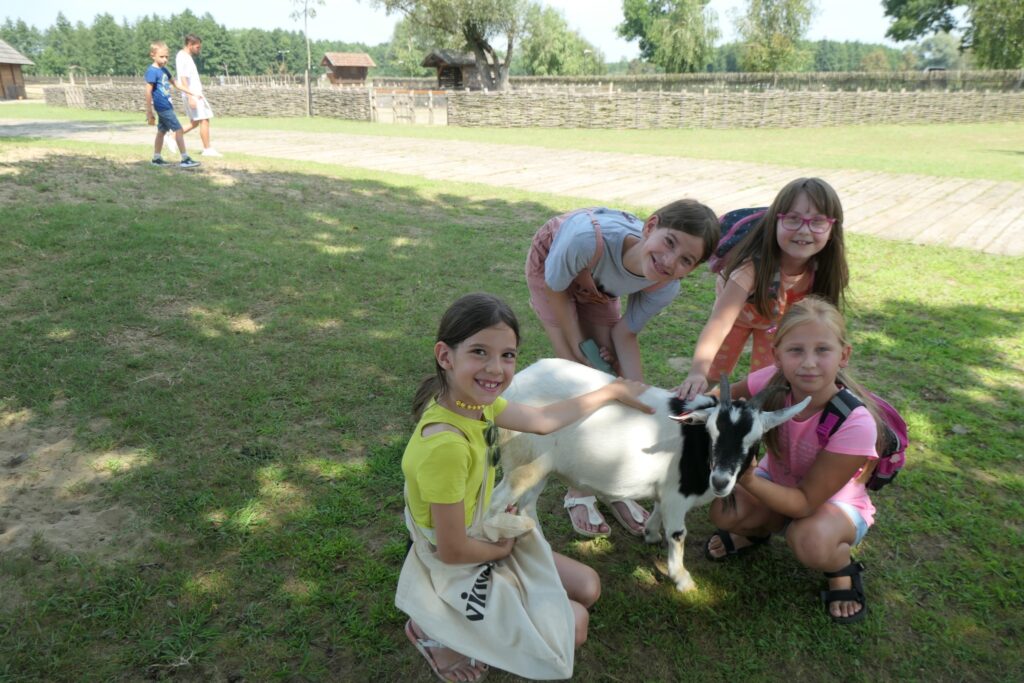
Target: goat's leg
column 517, row 482
column 674, row 509
column 652, row 530
column 528, row 501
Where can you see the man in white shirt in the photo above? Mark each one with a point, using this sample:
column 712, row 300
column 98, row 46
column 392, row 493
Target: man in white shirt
column 196, row 106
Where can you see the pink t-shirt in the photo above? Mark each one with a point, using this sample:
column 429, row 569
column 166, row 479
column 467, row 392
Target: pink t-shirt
column 799, row 443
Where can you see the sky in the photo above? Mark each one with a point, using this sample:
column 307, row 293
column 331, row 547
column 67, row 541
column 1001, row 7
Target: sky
column 360, row 21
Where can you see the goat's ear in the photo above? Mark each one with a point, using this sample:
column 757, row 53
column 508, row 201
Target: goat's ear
column 691, row 412
column 777, row 417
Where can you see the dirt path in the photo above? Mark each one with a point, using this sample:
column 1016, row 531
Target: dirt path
column 984, row 215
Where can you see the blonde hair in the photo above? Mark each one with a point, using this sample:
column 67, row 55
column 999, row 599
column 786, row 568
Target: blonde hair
column 814, row 309
column 156, row 45
column 761, row 245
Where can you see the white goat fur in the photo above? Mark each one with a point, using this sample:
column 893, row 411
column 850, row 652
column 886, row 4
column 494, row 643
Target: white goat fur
column 617, row 452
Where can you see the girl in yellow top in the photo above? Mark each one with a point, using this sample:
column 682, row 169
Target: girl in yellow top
column 459, row 408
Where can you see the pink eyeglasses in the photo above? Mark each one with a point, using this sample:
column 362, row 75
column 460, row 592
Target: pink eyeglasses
column 816, row 224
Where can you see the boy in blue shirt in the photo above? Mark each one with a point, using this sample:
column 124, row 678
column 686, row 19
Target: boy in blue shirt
column 158, row 97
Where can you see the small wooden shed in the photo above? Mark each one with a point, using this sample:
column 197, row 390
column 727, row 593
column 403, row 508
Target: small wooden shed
column 347, row 68
column 12, row 83
column 455, row 70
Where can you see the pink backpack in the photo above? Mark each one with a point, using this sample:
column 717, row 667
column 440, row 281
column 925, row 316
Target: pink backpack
column 893, row 443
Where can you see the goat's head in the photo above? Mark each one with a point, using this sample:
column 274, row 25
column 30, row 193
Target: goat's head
column 735, row 428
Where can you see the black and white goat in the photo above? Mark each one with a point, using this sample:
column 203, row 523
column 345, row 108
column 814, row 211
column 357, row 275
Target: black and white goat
column 618, row 452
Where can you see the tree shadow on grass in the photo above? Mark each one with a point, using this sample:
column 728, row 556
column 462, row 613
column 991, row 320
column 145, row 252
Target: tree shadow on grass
column 260, row 334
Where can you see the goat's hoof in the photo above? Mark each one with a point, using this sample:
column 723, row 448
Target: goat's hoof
column 652, row 538
column 685, row 584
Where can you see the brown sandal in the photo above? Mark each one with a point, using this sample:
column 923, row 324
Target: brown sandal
column 424, row 645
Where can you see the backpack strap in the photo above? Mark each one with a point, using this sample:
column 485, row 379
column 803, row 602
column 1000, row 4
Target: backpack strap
column 835, row 413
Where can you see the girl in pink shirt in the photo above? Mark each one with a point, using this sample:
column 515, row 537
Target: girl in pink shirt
column 813, row 495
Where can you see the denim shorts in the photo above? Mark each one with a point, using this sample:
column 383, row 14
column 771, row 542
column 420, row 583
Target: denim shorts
column 168, row 121
column 853, row 513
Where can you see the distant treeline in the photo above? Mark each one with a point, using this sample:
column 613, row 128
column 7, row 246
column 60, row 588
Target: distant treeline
column 107, row 47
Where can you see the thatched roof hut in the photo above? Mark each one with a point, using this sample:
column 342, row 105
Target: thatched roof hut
column 455, row 70
column 12, row 82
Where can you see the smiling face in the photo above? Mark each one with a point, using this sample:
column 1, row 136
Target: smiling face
column 668, row 254
column 479, row 368
column 810, row 356
column 798, row 246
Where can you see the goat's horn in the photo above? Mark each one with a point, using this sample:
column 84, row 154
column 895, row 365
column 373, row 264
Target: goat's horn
column 724, row 397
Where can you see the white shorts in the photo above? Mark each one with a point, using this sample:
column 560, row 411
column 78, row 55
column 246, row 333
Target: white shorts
column 201, row 111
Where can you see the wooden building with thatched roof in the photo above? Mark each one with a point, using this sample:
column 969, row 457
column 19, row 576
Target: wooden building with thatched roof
column 347, row 68
column 455, row 70
column 12, row 83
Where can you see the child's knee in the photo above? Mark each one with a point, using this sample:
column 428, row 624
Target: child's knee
column 582, row 620
column 589, row 588
column 811, row 547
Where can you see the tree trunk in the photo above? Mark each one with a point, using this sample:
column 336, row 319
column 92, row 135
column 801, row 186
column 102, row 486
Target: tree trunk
column 484, row 68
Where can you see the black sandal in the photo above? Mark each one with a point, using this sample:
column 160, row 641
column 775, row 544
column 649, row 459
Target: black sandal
column 854, row 594
column 730, row 548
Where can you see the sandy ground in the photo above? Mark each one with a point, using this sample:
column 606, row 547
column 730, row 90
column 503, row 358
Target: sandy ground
column 52, row 491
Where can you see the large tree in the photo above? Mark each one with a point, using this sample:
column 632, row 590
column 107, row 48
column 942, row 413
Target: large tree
column 110, row 47
column 772, row 31
column 27, row 40
column 411, row 42
column 677, row 35
column 60, row 49
column 478, row 23
column 992, row 29
column 550, row 48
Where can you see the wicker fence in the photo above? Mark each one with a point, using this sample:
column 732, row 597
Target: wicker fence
column 341, row 103
column 852, row 81
column 569, row 108
column 1002, row 81
column 776, row 109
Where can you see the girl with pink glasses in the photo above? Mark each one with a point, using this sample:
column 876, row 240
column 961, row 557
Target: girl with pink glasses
column 794, row 250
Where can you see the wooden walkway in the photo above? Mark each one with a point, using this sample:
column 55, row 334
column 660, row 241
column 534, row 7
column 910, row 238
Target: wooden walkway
column 983, row 215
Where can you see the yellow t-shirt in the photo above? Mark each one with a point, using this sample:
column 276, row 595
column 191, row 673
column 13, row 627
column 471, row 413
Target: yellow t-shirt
column 447, row 467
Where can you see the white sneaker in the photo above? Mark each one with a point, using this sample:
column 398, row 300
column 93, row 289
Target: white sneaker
column 211, row 152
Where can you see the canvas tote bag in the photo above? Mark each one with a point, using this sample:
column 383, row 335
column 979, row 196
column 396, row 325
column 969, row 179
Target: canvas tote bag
column 511, row 614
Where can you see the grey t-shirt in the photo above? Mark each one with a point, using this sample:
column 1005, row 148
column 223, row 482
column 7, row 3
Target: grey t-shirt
column 573, row 249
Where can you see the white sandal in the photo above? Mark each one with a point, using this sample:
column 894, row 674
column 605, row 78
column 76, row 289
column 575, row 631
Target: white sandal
column 593, row 516
column 638, row 514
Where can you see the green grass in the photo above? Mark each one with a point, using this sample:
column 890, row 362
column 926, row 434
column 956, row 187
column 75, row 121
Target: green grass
column 992, row 151
column 258, row 345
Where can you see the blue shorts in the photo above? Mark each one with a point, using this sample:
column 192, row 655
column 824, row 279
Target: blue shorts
column 853, row 513
column 167, row 121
